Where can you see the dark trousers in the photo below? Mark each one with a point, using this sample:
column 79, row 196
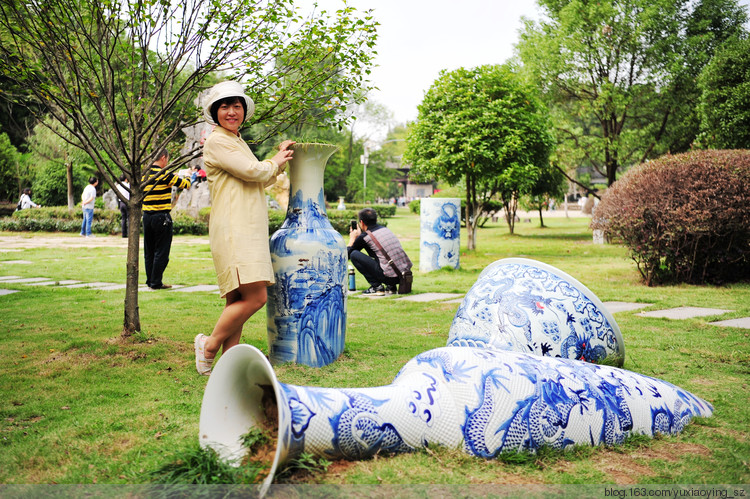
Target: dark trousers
column 369, row 267
column 124, row 216
column 157, row 241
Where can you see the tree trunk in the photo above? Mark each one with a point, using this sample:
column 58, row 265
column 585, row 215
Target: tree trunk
column 132, row 321
column 510, row 206
column 69, row 177
column 470, row 221
column 541, row 218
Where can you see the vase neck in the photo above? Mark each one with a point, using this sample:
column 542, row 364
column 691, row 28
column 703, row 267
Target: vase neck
column 306, row 196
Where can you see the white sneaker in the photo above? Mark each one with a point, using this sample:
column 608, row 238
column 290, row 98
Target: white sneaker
column 202, row 364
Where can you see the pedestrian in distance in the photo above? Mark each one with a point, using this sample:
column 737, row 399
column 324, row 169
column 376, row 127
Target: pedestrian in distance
column 87, row 203
column 124, row 187
column 25, row 202
column 157, row 222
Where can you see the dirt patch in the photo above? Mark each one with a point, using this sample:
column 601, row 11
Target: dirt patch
column 627, row 468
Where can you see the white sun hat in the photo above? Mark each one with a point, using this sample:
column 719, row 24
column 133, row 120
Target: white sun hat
column 223, row 90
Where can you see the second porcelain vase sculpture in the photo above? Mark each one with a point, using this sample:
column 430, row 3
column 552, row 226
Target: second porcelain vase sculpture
column 440, row 222
column 306, row 308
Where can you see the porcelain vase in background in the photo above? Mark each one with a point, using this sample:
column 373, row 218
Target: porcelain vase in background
column 440, row 241
column 523, row 305
column 486, row 401
column 306, row 308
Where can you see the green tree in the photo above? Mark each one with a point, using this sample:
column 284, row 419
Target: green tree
column 121, row 76
column 56, row 180
column 9, row 164
column 619, row 76
column 482, row 126
column 549, row 185
column 725, row 86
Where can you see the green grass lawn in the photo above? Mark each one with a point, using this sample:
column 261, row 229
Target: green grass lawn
column 81, row 405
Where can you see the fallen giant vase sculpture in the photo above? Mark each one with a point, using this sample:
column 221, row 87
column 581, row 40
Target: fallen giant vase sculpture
column 487, row 401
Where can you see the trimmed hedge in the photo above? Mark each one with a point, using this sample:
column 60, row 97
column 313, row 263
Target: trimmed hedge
column 685, row 218
column 59, row 219
column 383, row 210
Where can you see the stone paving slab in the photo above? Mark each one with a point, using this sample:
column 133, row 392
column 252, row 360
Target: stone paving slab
column 42, row 283
column 423, row 297
column 111, row 287
column 201, row 287
column 175, row 287
column 7, row 291
column 683, row 312
column 25, row 280
column 623, row 306
column 18, row 262
column 6, row 277
column 743, row 322
column 97, row 285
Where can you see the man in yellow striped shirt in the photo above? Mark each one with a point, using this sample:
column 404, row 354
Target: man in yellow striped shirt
column 157, row 222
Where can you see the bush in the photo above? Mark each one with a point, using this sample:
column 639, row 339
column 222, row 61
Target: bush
column 50, row 185
column 383, row 210
column 685, row 218
column 339, row 219
column 183, row 223
column 59, row 219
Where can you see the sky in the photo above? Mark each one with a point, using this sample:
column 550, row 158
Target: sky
column 419, row 38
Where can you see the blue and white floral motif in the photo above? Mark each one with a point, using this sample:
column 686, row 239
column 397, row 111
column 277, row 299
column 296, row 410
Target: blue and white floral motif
column 440, row 239
column 487, row 401
column 526, row 306
column 306, row 307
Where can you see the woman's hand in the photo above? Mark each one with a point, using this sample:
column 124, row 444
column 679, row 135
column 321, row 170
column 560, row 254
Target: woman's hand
column 284, row 154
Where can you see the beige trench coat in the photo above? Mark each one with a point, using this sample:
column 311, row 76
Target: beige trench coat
column 238, row 227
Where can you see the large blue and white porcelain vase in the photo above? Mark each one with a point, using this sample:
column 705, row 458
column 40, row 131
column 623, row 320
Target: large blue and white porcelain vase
column 440, row 226
column 306, row 308
column 481, row 400
column 528, row 306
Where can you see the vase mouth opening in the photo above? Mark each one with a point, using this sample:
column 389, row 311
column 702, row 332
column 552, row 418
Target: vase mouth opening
column 240, row 415
column 312, row 145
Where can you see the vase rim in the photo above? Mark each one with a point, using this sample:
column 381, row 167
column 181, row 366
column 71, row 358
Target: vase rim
column 307, row 145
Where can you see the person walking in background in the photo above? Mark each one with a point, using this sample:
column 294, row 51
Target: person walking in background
column 238, row 228
column 157, row 222
column 384, row 251
column 25, row 202
column 124, row 187
column 87, row 203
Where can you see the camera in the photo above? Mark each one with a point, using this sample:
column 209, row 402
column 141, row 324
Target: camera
column 353, row 224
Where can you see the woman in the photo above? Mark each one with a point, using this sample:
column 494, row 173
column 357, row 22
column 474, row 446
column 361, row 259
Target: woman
column 25, row 203
column 238, row 227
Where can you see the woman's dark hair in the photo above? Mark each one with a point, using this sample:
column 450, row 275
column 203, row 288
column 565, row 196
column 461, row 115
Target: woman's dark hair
column 26, row 190
column 368, row 216
column 93, row 180
column 228, row 101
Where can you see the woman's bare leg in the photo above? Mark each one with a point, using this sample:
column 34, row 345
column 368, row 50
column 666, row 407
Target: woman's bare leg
column 242, row 303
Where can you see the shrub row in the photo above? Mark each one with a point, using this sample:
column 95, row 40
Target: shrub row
column 684, row 218
column 59, row 219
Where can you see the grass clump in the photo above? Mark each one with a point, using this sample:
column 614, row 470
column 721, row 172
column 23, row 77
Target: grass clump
column 203, row 466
